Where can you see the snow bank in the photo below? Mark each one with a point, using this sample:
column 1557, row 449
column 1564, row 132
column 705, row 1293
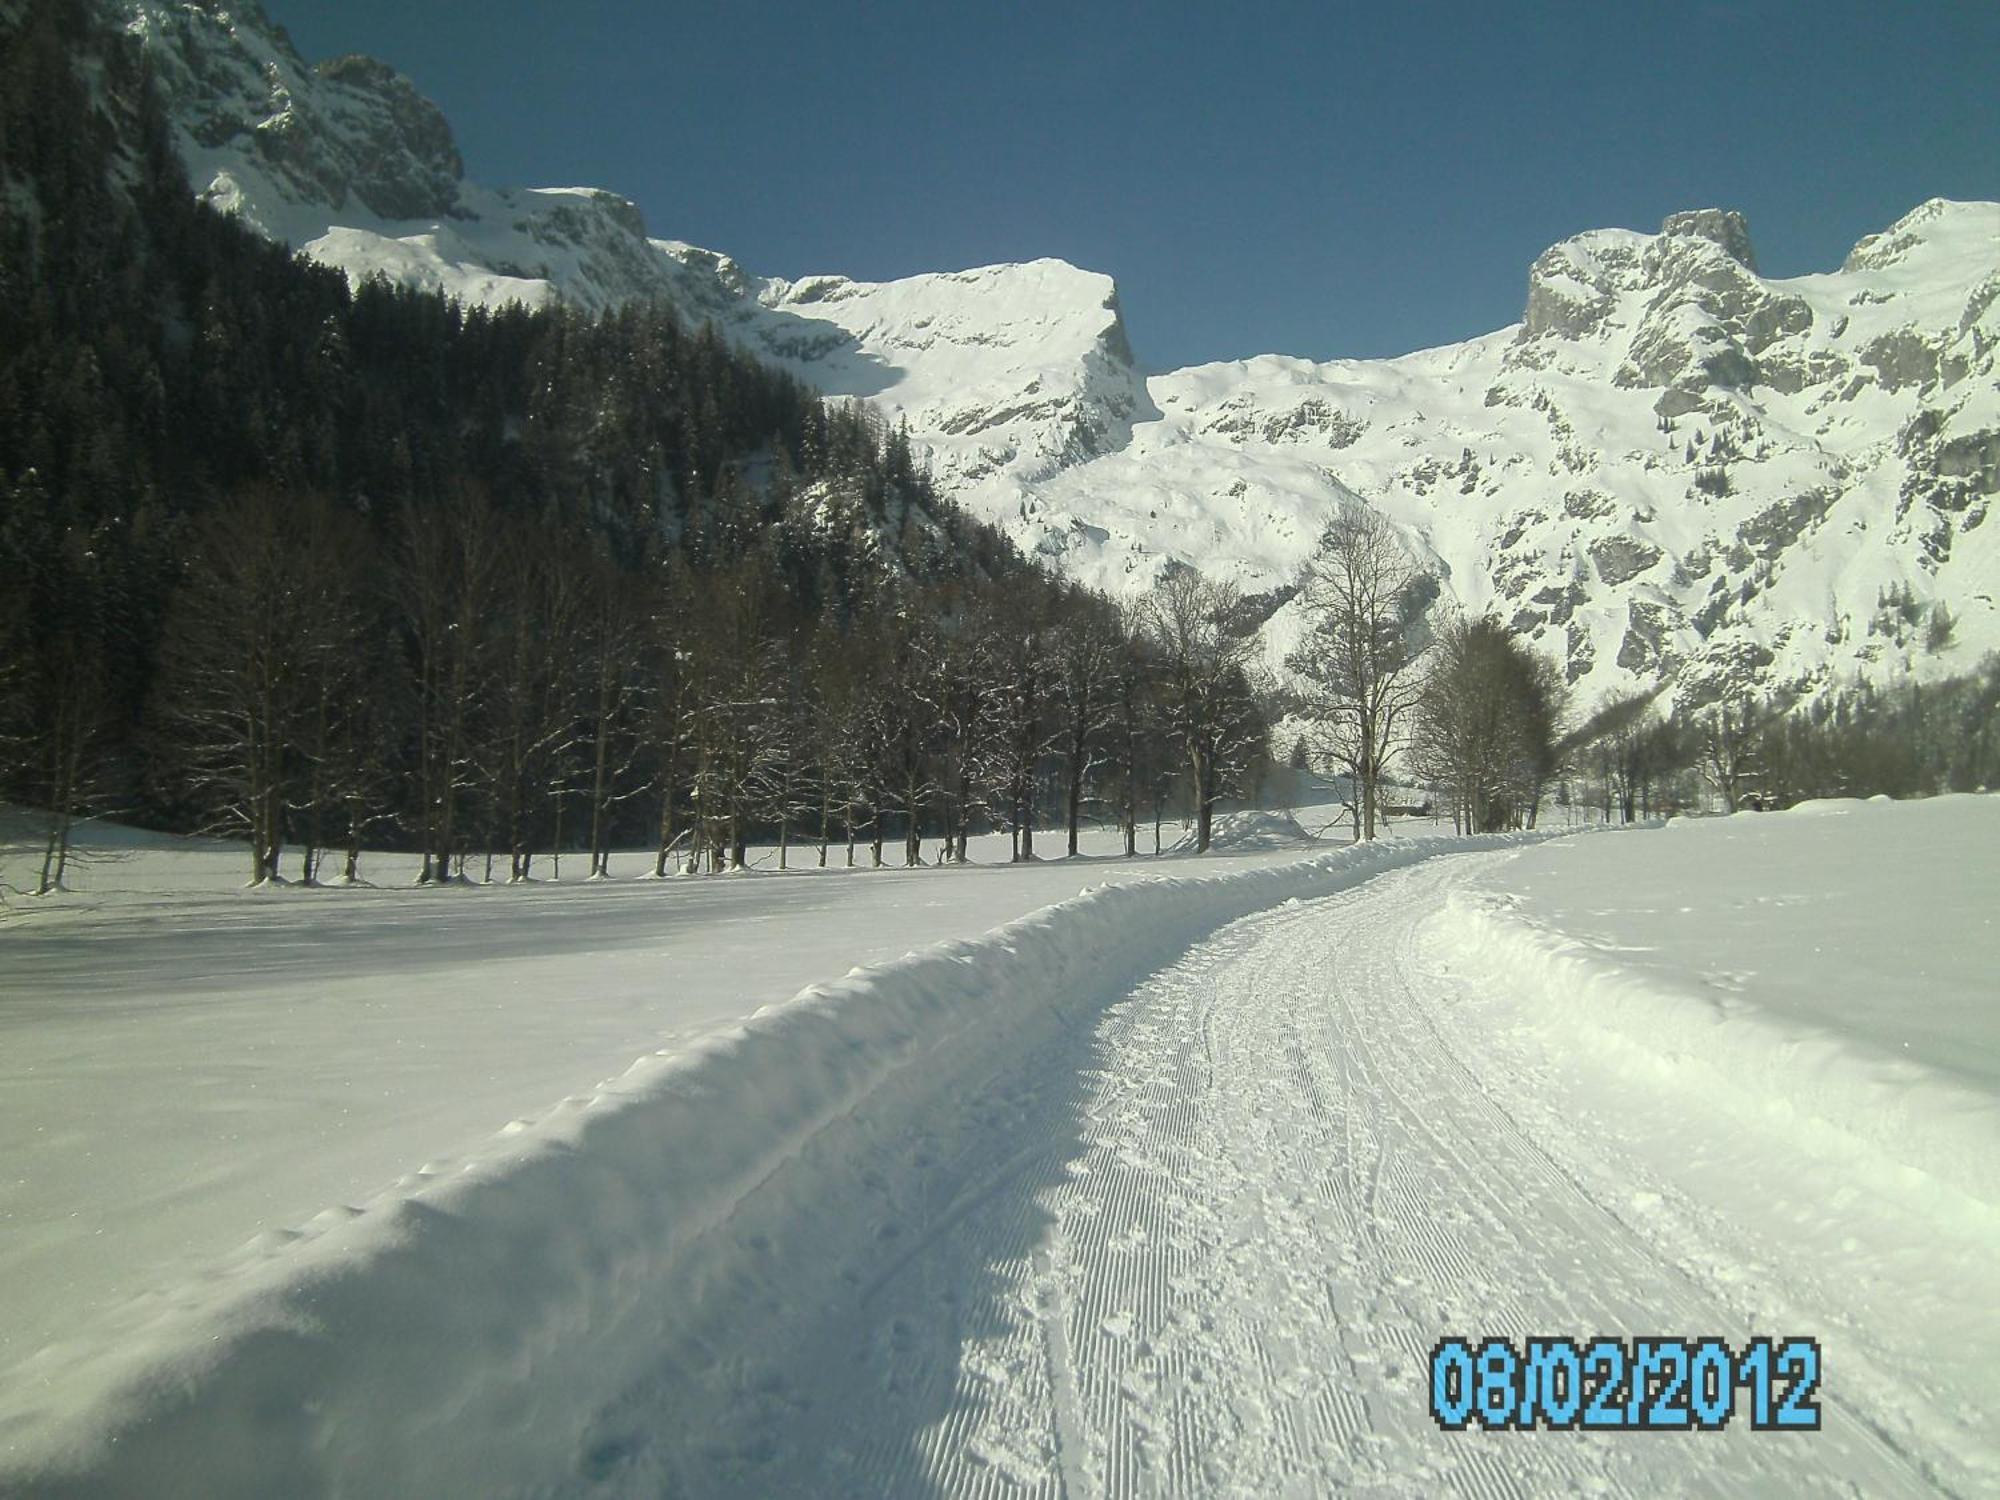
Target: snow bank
column 466, row 1335
column 1823, row 973
column 1254, row 829
column 1827, row 807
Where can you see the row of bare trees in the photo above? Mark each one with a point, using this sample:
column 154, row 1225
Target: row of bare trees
column 1453, row 703
column 1752, row 751
column 1488, row 729
column 492, row 690
column 1486, row 724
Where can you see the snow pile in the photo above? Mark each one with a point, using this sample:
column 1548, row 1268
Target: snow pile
column 1768, row 1044
column 1253, row 828
column 464, row 1334
column 1826, row 972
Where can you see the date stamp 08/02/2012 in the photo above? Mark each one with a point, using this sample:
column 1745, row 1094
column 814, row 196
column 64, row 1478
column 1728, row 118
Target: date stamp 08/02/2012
column 1624, row 1385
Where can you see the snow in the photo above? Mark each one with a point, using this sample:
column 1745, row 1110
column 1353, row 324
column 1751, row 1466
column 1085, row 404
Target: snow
column 1169, row 1186
column 468, row 1316
column 1257, row 829
column 1212, row 1253
column 1843, row 952
column 187, row 1066
column 1772, row 1042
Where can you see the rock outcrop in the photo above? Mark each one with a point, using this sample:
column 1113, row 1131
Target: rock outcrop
column 1672, row 468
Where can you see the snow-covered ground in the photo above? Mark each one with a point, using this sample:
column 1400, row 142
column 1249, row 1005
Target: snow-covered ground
column 1168, row 1188
column 192, row 1074
column 1770, row 1048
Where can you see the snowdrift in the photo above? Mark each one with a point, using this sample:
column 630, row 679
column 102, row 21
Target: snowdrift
column 1254, row 829
column 469, row 1336
column 1745, row 1060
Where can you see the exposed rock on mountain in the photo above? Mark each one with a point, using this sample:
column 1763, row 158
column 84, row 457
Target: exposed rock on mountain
column 1671, row 467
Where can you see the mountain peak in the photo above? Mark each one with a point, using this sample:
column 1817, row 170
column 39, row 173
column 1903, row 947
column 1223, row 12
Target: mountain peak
column 1719, row 226
column 1933, row 222
column 1673, row 472
column 352, row 130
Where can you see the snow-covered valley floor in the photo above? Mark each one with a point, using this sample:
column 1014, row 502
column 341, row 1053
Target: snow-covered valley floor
column 1168, row 1189
column 1208, row 1249
column 190, row 1071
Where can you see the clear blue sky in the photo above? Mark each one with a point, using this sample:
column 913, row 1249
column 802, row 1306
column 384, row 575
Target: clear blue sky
column 1319, row 179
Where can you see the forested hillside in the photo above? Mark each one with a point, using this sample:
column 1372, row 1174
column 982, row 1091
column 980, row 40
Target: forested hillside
column 317, row 565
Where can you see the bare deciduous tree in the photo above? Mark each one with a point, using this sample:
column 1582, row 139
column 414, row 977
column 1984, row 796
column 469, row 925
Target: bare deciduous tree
column 1364, row 597
column 1201, row 654
column 259, row 642
column 1726, row 741
column 1087, row 656
column 1019, row 642
column 447, row 576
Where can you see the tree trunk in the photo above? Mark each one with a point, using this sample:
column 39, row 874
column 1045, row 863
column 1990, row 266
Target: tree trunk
column 1203, row 801
column 56, row 855
column 1367, row 791
column 666, row 823
column 599, row 774
column 1073, row 810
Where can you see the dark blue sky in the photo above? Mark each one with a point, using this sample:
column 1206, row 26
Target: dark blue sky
column 1320, row 179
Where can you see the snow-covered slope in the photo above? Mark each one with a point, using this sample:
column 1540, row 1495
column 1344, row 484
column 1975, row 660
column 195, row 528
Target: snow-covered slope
column 1672, row 468
column 1015, row 370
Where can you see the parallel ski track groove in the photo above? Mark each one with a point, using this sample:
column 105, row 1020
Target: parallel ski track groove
column 1208, row 1251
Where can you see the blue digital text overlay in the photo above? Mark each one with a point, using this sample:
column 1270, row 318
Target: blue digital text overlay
column 1606, row 1384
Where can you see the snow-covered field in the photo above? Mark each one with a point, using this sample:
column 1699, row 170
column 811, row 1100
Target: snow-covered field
column 188, row 1069
column 1770, row 1047
column 1168, row 1188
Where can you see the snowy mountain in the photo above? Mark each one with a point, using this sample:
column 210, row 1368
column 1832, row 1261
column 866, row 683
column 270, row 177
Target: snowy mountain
column 1018, row 369
column 1671, row 467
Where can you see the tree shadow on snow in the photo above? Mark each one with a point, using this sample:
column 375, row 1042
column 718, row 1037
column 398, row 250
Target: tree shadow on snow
column 882, row 1315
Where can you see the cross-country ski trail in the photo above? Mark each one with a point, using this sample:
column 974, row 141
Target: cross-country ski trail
column 1211, row 1255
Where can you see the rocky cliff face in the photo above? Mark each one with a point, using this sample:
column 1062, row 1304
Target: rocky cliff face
column 1003, row 372
column 351, row 133
column 1672, row 469
column 348, row 162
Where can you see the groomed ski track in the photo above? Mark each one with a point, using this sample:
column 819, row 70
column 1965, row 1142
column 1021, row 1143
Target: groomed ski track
column 1213, row 1259
column 1195, row 1236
